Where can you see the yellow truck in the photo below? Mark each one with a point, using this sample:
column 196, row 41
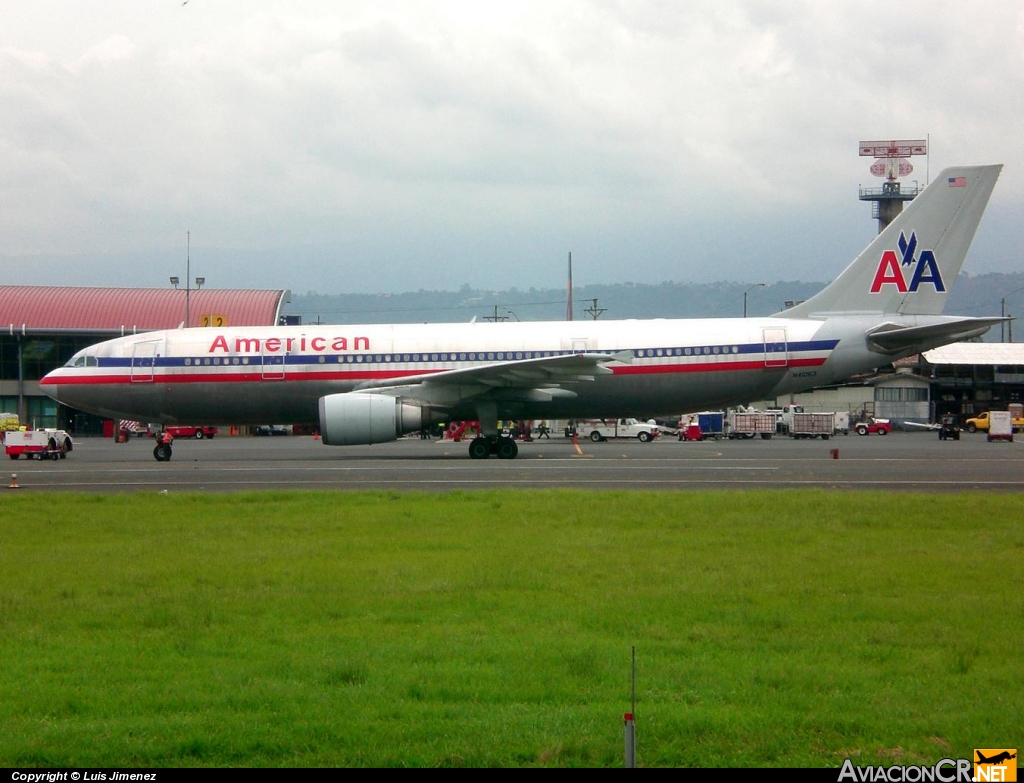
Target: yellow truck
column 981, row 422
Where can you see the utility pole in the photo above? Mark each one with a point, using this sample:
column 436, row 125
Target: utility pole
column 594, row 311
column 495, row 317
column 568, row 293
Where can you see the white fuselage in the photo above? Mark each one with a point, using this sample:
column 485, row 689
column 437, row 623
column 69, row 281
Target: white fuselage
column 277, row 374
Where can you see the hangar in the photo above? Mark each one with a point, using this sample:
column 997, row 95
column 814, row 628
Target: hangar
column 970, row 378
column 41, row 327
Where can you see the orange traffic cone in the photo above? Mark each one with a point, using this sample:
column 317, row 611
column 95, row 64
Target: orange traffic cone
column 14, row 482
column 316, row 434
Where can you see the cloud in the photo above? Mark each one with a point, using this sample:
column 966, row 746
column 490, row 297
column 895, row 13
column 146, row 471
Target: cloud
column 654, row 139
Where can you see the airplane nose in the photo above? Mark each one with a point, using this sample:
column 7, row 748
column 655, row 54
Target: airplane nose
column 48, row 387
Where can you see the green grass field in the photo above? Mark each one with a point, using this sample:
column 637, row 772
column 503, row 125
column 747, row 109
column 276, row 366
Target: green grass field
column 495, row 628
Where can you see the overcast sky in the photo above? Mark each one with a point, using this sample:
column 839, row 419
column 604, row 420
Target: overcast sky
column 337, row 145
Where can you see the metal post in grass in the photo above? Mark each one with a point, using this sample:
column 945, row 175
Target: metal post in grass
column 630, row 727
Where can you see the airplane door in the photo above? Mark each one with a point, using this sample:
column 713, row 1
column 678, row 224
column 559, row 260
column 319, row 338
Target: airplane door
column 144, row 360
column 776, row 351
column 273, row 367
column 579, row 345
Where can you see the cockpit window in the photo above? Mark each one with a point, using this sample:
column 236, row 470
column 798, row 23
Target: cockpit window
column 83, row 361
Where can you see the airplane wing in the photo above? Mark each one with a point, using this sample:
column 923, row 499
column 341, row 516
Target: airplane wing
column 533, row 380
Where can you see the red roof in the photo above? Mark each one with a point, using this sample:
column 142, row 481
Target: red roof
column 128, row 310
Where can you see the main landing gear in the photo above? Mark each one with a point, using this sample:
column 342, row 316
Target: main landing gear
column 486, row 445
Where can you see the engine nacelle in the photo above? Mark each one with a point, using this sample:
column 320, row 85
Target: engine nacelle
column 355, row 419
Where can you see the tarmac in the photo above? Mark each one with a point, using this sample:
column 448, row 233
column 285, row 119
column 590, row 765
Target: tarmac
column 901, row 462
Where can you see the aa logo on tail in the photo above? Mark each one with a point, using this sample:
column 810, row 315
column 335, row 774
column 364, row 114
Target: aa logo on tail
column 890, row 268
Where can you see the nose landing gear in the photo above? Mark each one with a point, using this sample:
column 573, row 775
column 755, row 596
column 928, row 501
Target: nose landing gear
column 162, row 449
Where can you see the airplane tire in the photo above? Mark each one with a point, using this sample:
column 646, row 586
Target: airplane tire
column 479, row 448
column 507, row 449
column 162, row 452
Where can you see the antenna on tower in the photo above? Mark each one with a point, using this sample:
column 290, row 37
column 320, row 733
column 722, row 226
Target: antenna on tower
column 891, row 163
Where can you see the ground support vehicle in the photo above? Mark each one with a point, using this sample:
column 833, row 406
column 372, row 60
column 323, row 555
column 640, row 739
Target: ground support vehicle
column 689, row 428
column 271, row 429
column 127, row 428
column 873, row 426
column 603, row 429
column 842, row 423
column 812, row 425
column 948, row 429
column 982, row 422
column 702, row 426
column 1000, row 426
column 187, row 431
column 748, row 424
column 712, row 424
column 40, row 444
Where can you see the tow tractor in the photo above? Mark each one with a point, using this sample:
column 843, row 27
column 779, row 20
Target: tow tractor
column 40, row 444
column 948, row 427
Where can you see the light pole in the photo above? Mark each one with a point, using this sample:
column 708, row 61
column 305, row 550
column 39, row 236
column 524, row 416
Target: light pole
column 1002, row 313
column 188, row 280
column 755, row 285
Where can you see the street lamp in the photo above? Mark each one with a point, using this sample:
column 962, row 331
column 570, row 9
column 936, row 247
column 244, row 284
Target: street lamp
column 755, row 285
column 1002, row 312
column 200, row 281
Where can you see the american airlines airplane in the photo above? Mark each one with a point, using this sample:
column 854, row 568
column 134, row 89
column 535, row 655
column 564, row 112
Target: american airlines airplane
column 374, row 383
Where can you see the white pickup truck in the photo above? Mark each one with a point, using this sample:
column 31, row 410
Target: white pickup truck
column 38, row 444
column 605, row 429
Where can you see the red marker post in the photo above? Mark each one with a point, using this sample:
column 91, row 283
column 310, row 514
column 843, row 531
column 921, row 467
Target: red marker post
column 630, row 727
column 630, row 740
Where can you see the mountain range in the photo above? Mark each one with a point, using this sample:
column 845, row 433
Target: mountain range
column 981, row 295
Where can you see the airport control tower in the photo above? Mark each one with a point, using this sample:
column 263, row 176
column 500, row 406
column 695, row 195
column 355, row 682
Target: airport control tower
column 890, row 163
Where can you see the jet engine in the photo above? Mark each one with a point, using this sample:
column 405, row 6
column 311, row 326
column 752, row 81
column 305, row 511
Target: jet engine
column 354, row 419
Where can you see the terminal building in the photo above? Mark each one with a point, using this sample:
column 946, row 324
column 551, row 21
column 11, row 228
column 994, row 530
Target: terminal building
column 41, row 327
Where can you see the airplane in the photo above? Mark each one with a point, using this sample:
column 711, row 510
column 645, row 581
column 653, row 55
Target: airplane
column 999, row 758
column 365, row 384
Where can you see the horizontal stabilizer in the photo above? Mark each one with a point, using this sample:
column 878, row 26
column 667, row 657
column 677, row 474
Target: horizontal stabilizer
column 892, row 338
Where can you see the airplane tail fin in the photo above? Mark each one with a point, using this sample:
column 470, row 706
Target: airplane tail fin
column 911, row 266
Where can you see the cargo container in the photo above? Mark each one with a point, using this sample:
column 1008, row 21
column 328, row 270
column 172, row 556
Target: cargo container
column 812, row 425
